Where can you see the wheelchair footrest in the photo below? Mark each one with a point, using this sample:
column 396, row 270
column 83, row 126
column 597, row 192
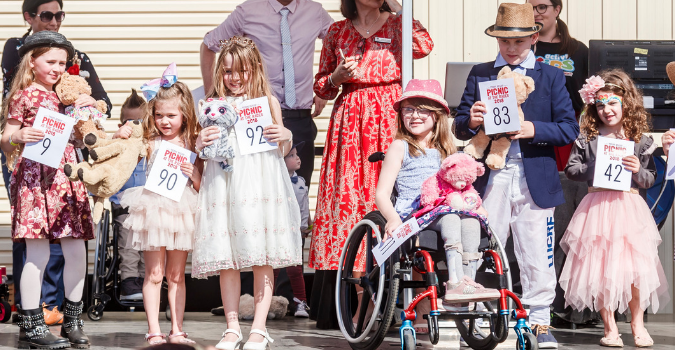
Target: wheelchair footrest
column 465, row 314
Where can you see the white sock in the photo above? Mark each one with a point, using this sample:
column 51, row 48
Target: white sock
column 37, row 257
column 75, row 268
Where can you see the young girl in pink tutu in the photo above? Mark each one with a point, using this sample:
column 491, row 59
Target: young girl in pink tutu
column 611, row 241
column 163, row 228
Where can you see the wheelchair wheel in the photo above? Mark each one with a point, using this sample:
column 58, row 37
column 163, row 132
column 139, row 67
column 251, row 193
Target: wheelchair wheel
column 5, row 311
column 472, row 338
column 408, row 340
column 379, row 283
column 529, row 342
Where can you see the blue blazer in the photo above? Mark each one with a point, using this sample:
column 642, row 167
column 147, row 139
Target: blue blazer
column 549, row 108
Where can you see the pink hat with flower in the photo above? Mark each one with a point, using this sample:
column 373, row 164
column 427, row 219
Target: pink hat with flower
column 429, row 89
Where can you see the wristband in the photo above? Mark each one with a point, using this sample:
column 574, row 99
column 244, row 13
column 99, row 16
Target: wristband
column 12, row 142
column 330, row 80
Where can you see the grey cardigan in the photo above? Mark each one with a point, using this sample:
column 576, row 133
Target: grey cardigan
column 581, row 164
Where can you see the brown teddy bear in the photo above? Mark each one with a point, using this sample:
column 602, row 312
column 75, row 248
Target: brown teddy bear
column 501, row 143
column 90, row 118
column 114, row 162
column 278, row 307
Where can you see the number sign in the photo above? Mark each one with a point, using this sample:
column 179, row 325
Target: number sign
column 501, row 104
column 165, row 177
column 57, row 128
column 383, row 250
column 609, row 170
column 254, row 116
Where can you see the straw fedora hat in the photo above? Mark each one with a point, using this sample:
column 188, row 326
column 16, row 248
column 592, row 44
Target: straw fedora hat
column 514, row 21
column 670, row 69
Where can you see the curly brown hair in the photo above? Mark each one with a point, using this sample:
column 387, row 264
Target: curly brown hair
column 635, row 119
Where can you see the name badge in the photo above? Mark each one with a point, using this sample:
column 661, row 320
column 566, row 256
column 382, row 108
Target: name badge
column 382, row 40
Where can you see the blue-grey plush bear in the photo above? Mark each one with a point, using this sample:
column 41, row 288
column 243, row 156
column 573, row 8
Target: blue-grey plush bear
column 220, row 113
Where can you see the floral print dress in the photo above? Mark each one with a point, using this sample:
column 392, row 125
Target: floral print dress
column 363, row 122
column 44, row 203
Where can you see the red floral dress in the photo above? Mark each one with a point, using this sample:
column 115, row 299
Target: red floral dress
column 44, row 203
column 363, row 122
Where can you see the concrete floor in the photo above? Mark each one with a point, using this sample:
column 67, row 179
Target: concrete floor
column 123, row 330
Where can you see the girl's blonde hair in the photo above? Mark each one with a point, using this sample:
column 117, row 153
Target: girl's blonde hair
column 189, row 129
column 635, row 119
column 246, row 59
column 441, row 137
column 23, row 78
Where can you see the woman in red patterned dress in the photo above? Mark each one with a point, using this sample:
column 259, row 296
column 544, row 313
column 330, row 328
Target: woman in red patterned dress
column 363, row 119
column 45, row 205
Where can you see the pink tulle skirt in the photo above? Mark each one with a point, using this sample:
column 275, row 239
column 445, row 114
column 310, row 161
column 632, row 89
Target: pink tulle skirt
column 159, row 222
column 611, row 245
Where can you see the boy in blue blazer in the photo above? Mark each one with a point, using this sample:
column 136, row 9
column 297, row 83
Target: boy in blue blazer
column 523, row 194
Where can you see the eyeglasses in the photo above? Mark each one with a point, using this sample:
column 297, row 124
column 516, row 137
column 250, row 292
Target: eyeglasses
column 46, row 16
column 541, row 9
column 422, row 113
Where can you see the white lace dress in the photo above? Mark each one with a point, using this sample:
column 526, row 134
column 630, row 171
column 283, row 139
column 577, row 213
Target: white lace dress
column 247, row 217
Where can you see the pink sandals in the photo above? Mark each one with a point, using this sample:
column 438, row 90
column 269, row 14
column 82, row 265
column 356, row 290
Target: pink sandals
column 149, row 336
column 185, row 339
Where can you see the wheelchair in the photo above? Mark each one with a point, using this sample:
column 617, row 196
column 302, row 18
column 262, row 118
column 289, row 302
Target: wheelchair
column 383, row 284
column 106, row 280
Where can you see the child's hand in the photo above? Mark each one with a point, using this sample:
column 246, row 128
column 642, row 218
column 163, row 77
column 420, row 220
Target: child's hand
column 481, row 211
column 631, row 163
column 84, row 100
column 276, row 133
column 190, row 170
column 667, row 139
column 124, row 131
column 526, row 131
column 390, row 227
column 28, row 135
column 207, row 136
column 476, row 113
column 345, row 70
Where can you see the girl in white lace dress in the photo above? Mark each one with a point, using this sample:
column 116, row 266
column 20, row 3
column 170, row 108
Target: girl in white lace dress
column 247, row 218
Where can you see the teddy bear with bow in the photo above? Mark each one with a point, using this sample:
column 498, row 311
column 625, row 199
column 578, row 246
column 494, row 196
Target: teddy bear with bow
column 501, row 143
column 453, row 185
column 218, row 112
column 114, row 162
column 90, row 118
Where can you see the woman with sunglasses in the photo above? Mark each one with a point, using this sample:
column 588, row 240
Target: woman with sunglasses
column 362, row 54
column 43, row 15
column 558, row 48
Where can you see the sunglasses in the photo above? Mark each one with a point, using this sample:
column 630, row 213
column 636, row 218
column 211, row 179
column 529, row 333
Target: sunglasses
column 46, row 16
column 541, row 9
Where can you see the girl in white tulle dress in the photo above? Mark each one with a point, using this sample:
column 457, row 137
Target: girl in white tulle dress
column 161, row 227
column 247, row 218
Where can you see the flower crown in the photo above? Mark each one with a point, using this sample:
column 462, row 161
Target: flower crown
column 592, row 86
column 245, row 42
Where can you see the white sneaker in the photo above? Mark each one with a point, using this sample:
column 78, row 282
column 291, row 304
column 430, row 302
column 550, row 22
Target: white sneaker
column 301, row 308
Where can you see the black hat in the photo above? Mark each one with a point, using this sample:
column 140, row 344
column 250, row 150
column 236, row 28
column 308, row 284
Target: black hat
column 48, row 39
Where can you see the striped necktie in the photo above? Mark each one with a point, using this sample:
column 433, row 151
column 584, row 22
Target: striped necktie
column 289, row 72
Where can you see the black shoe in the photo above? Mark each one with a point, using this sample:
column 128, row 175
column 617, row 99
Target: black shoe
column 72, row 325
column 130, row 289
column 35, row 334
column 218, row 311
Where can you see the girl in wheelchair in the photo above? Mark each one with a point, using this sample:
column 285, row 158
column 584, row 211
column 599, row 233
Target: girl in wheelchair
column 422, row 141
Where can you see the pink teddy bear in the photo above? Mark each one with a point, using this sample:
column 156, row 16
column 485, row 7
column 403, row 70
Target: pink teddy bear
column 453, row 184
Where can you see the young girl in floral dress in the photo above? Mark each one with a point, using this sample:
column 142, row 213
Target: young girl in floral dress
column 45, row 205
